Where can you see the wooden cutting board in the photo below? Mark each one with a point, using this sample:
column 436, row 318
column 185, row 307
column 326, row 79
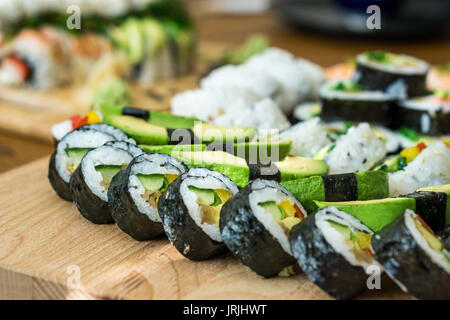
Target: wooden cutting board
column 32, row 113
column 45, row 244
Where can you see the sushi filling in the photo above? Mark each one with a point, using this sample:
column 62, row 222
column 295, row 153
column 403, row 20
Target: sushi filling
column 350, row 90
column 347, row 236
column 391, row 62
column 75, row 156
column 276, row 209
column 427, row 240
column 108, row 172
column 15, row 70
column 154, row 185
column 204, row 194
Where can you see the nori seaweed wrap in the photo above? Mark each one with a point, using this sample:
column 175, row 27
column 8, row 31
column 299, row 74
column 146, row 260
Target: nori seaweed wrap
column 429, row 115
column 401, row 76
column 90, row 181
column 333, row 249
column 134, row 192
column 414, row 257
column 347, row 101
column 366, row 185
column 444, row 234
column 255, row 224
column 69, row 152
column 190, row 210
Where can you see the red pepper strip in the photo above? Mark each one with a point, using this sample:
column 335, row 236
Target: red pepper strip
column 424, row 224
column 20, row 65
column 75, row 120
column 368, row 252
column 298, row 212
column 421, row 146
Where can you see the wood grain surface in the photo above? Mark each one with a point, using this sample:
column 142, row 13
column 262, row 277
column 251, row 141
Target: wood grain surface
column 45, row 243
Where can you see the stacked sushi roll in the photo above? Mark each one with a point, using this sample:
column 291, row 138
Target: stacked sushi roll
column 146, row 40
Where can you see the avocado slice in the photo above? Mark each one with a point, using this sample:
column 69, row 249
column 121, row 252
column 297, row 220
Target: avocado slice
column 272, row 208
column 76, row 155
column 208, row 133
column 139, row 129
column 168, row 149
column 108, row 172
column 154, row 35
column 263, row 151
column 135, row 38
column 151, row 182
column 375, row 214
column 206, row 197
column 432, row 240
column 168, row 120
column 290, row 222
column 292, row 168
column 343, row 229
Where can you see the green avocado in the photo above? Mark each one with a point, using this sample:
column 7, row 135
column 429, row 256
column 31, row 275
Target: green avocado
column 170, row 148
column 306, row 190
column 76, row 155
column 375, row 214
column 206, row 197
column 263, row 151
column 292, row 168
column 139, row 129
column 372, row 185
column 233, row 167
column 154, row 35
column 151, row 182
column 168, row 120
column 208, row 133
column 135, row 38
column 108, row 172
column 432, row 240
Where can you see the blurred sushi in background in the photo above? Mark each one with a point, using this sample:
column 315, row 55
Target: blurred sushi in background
column 145, row 40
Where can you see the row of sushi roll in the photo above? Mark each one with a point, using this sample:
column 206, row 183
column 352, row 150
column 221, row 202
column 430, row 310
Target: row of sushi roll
column 295, row 216
column 143, row 40
column 331, row 199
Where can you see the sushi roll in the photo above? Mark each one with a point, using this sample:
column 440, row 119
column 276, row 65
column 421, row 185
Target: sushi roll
column 414, row 257
column 333, row 249
column 134, row 193
column 69, row 152
column 360, row 149
column 127, row 146
column 255, row 225
column 90, row 181
column 347, row 101
column 429, row 115
column 190, row 210
column 400, row 75
column 418, row 167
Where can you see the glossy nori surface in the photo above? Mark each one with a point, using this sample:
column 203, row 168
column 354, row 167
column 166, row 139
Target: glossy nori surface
column 90, row 206
column 401, row 256
column 374, row 79
column 425, row 122
column 322, row 264
column 184, row 234
column 247, row 238
column 61, row 188
column 376, row 112
column 432, row 207
column 126, row 214
column 340, row 187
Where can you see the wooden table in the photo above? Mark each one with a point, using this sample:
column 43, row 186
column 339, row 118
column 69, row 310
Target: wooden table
column 323, row 49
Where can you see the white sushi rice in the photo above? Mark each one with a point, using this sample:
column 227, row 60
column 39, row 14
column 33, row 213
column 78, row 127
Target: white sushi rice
column 208, row 104
column 299, row 79
column 430, row 168
column 336, row 239
column 77, row 139
column 357, row 151
column 267, row 190
column 308, row 137
column 104, row 155
column 150, row 164
column 131, row 148
column 241, row 77
column 436, row 257
column 204, row 179
column 262, row 115
column 390, row 138
column 327, row 92
column 59, row 130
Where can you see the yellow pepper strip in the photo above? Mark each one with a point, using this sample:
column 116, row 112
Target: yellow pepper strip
column 92, row 117
column 410, row 153
column 288, row 208
column 171, row 177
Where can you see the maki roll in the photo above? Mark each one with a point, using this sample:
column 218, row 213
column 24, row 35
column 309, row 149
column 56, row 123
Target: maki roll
column 400, row 75
column 90, row 182
column 118, row 134
column 428, row 115
column 414, row 257
column 255, row 225
column 333, row 249
column 348, row 101
column 127, row 146
column 134, row 193
column 190, row 210
column 68, row 154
